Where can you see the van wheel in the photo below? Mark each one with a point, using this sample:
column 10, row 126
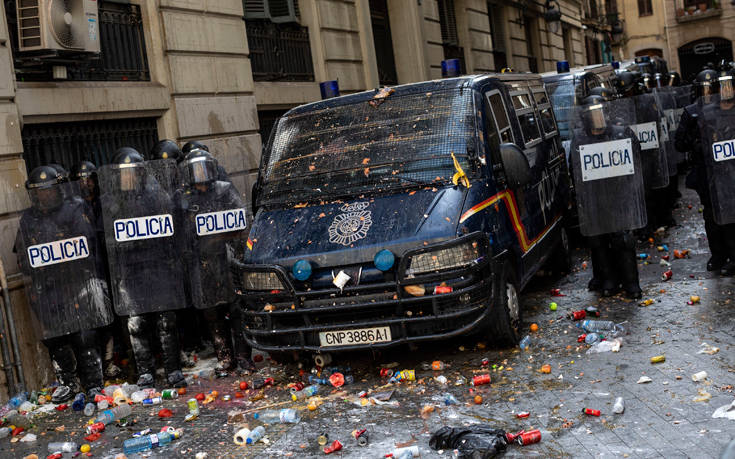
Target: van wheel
column 505, row 318
column 561, row 258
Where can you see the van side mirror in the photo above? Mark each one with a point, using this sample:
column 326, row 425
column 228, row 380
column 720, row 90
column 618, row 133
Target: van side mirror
column 516, row 166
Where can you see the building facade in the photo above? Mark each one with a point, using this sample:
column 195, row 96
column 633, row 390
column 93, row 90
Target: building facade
column 222, row 71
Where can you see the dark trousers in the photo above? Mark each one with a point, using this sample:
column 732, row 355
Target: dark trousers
column 141, row 330
column 76, row 359
column 613, row 260
column 225, row 326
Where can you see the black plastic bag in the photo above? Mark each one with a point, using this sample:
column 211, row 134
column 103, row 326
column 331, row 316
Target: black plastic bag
column 473, row 442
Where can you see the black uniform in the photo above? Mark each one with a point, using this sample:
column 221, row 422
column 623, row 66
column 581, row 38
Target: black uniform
column 57, row 253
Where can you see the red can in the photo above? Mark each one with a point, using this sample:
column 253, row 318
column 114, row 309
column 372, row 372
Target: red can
column 481, row 379
column 578, row 315
column 335, row 446
column 441, row 289
column 580, row 338
column 667, row 275
column 97, row 427
column 590, row 411
column 297, row 386
column 485, row 362
column 523, row 414
column 386, row 372
column 511, row 437
column 62, row 407
column 529, row 438
column 556, row 292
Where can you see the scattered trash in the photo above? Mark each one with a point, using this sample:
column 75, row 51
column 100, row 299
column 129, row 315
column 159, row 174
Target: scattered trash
column 591, row 412
column 381, row 96
column 725, row 411
column 523, row 414
column 647, row 302
column 528, row 438
column 606, row 346
column 241, row 436
column 644, row 380
column 703, row 396
column 478, row 399
column 681, row 254
column 28, row 438
column 361, row 436
column 415, row 290
column 481, row 380
column 694, row 299
column 255, row 435
column 165, row 413
column 525, row 343
column 619, row 406
column 335, row 446
column 62, row 447
column 534, row 328
column 546, row 369
column 284, row 416
column 341, row 280
column 658, row 359
column 139, row 444
column 556, row 292
column 476, row 440
column 705, row 348
column 553, row 306
column 322, row 439
column 699, row 376
column 667, row 275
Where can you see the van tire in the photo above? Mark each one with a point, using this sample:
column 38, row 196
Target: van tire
column 505, row 318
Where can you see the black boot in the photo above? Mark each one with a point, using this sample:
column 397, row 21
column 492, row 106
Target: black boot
column 140, row 342
column 623, row 245
column 219, row 330
column 65, row 367
column 169, row 339
column 89, row 362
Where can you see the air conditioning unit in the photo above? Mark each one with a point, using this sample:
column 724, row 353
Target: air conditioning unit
column 58, row 25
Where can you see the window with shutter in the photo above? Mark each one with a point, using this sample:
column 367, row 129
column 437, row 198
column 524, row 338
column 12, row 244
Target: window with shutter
column 282, row 11
column 255, row 9
column 448, row 23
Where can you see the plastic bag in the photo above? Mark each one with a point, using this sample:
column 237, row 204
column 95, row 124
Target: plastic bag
column 476, row 441
column 606, row 346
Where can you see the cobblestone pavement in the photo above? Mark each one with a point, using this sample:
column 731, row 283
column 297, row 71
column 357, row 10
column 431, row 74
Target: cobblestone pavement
column 661, row 418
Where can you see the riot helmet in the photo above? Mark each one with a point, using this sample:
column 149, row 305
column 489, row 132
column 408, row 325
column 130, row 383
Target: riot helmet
column 659, row 80
column 193, row 145
column 593, row 114
column 43, row 188
column 626, row 82
column 727, row 91
column 201, row 167
column 648, row 80
column 166, row 149
column 61, row 171
column 130, row 166
column 85, row 172
column 674, row 79
column 706, row 84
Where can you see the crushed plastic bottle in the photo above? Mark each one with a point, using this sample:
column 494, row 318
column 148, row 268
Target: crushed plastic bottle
column 284, row 416
column 597, row 326
column 255, row 435
column 606, row 346
column 139, row 444
column 16, row 401
column 110, row 390
column 26, row 407
column 5, row 431
column 305, row 393
column 140, row 395
column 525, row 343
column 115, row 414
column 78, row 403
column 62, row 447
column 619, row 406
column 89, row 409
column 592, row 338
column 18, row 420
column 450, row 399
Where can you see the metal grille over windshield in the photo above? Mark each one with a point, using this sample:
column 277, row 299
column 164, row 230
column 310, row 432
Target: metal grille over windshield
column 363, row 147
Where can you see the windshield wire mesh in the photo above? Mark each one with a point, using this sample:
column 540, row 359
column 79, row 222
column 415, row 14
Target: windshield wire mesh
column 356, row 148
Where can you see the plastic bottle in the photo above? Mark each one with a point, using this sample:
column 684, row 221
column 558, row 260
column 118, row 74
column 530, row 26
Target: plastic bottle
column 26, row 407
column 140, row 395
column 286, row 415
column 525, row 343
column 78, row 403
column 450, row 399
column 5, row 431
column 103, row 405
column 146, row 442
column 592, row 338
column 129, row 389
column 619, row 406
column 110, row 416
column 18, row 420
column 18, row 399
column 316, row 380
column 89, row 409
column 255, row 435
column 119, row 396
column 306, row 392
column 110, row 390
column 62, row 447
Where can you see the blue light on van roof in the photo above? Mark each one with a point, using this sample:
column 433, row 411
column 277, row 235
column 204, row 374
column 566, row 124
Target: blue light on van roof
column 450, row 68
column 384, row 260
column 329, row 89
column 301, row 270
column 615, row 64
column 562, row 67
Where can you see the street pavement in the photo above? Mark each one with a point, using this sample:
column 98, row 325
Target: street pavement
column 670, row 417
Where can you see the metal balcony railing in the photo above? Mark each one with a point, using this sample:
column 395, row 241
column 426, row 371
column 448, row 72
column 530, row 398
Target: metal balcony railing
column 279, row 52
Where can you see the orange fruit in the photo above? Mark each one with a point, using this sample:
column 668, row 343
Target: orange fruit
column 534, row 327
column 546, row 368
column 478, row 399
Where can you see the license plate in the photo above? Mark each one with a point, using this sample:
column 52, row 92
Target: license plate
column 356, row 336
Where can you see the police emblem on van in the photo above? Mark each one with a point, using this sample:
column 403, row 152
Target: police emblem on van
column 351, row 225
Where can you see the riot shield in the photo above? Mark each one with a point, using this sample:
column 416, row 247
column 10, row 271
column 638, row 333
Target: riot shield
column 169, row 170
column 606, row 165
column 717, row 130
column 145, row 269
column 666, row 104
column 56, row 248
column 647, row 127
column 683, row 97
column 211, row 218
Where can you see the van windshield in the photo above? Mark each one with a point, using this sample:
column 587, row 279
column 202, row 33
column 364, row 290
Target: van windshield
column 562, row 93
column 405, row 141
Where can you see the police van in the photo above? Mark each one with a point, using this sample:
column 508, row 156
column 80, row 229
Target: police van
column 404, row 215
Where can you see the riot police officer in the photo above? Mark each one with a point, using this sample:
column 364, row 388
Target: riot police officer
column 146, row 276
column 610, row 200
column 717, row 132
column 85, row 173
column 57, row 249
column 197, row 145
column 674, row 79
column 212, row 214
column 687, row 140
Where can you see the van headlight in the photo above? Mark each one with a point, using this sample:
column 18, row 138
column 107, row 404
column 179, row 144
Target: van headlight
column 445, row 258
column 261, row 281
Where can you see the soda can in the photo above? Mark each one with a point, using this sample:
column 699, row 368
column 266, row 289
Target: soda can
column 386, row 372
column 578, row 315
column 592, row 311
column 485, row 362
column 97, row 427
column 658, row 359
column 153, row 401
column 581, row 338
column 406, row 375
column 226, row 398
column 529, row 438
column 322, row 439
column 523, row 414
column 667, row 275
column 363, row 439
column 590, row 412
column 481, row 380
column 193, row 406
column 169, row 394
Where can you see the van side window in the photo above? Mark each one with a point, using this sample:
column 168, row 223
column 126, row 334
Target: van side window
column 497, row 107
column 545, row 113
column 527, row 118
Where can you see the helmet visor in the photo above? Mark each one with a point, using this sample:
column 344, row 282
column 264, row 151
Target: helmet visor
column 595, row 117
column 727, row 92
column 46, row 198
column 130, row 176
column 202, row 170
